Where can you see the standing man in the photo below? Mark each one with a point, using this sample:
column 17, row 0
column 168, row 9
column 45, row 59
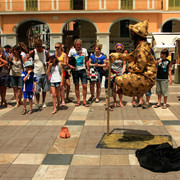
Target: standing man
column 40, row 57
column 78, row 61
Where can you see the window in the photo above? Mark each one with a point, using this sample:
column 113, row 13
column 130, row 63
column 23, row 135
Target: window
column 77, row 4
column 124, row 28
column 31, row 5
column 127, row 4
column 174, row 4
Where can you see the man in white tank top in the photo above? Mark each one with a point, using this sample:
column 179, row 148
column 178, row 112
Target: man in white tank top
column 40, row 56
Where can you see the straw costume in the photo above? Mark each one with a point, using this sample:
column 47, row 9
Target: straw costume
column 142, row 65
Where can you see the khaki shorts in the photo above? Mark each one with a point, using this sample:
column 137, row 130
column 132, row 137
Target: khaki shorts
column 162, row 87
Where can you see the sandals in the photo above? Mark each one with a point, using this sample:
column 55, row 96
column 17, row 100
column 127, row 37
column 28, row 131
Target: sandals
column 77, row 105
column 63, row 104
column 164, row 106
column 157, row 106
column 29, row 112
column 91, row 98
column 53, row 112
column 86, row 105
column 110, row 108
column 24, row 111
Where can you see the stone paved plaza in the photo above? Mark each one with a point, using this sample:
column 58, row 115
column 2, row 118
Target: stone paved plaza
column 30, row 146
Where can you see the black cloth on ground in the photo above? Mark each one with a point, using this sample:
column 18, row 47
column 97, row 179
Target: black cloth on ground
column 159, row 158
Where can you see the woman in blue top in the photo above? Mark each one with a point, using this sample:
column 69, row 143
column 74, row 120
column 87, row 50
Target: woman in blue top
column 97, row 62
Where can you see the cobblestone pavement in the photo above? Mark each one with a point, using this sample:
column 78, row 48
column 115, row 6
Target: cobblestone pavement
column 30, row 146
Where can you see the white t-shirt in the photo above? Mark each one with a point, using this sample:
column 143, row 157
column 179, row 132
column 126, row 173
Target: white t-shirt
column 80, row 58
column 39, row 62
column 55, row 74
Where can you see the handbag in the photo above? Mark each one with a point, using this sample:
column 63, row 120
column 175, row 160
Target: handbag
column 4, row 71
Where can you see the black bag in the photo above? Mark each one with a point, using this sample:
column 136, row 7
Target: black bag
column 159, row 158
column 72, row 61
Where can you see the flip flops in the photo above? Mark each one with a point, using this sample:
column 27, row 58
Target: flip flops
column 78, row 104
column 164, row 106
column 157, row 106
column 86, row 105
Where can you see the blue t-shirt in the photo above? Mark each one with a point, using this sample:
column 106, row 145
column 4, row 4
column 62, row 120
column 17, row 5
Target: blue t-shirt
column 98, row 60
column 28, row 85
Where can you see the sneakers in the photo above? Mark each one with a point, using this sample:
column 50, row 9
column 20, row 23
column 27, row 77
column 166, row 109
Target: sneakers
column 44, row 105
column 64, row 133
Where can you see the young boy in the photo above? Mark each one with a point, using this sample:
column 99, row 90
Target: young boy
column 29, row 86
column 163, row 74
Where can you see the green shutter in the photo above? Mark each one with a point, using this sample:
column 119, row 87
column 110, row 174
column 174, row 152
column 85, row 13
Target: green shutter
column 127, row 4
column 71, row 4
column 31, row 5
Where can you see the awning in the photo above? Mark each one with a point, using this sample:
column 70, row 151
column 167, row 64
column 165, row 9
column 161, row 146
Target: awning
column 165, row 40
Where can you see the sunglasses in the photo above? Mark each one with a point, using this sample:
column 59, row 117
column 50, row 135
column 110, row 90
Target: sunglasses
column 57, row 47
column 30, row 67
column 119, row 49
column 38, row 46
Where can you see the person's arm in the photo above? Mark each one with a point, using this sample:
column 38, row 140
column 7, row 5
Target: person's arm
column 170, row 75
column 121, row 56
column 124, row 67
column 30, row 55
column 35, row 86
column 49, row 69
column 25, row 78
column 65, row 59
column 62, row 76
column 87, row 65
column 4, row 62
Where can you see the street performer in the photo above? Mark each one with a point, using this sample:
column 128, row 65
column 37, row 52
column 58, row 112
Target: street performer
column 142, row 65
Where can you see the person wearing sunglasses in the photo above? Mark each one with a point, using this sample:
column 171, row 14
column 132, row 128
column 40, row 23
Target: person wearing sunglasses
column 62, row 58
column 118, row 68
column 40, row 57
column 29, row 86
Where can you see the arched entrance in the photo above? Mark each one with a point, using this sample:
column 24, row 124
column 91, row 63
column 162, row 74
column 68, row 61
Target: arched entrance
column 119, row 33
column 171, row 25
column 78, row 28
column 30, row 30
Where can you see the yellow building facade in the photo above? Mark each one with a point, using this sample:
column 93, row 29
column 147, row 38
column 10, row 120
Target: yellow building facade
column 104, row 20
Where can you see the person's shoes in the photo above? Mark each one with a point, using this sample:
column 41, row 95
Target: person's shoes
column 64, row 133
column 29, row 112
column 164, row 106
column 157, row 106
column 54, row 111
column 91, row 98
column 97, row 101
column 44, row 105
column 24, row 111
column 145, row 106
column 37, row 107
column 139, row 105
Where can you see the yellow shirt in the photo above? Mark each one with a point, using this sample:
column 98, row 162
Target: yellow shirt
column 61, row 58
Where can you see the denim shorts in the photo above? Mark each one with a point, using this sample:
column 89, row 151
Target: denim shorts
column 42, row 82
column 16, row 81
column 4, row 81
column 28, row 95
column 148, row 93
column 79, row 74
column 55, row 84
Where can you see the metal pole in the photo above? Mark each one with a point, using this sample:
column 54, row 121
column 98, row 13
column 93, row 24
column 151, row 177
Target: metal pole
column 109, row 82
